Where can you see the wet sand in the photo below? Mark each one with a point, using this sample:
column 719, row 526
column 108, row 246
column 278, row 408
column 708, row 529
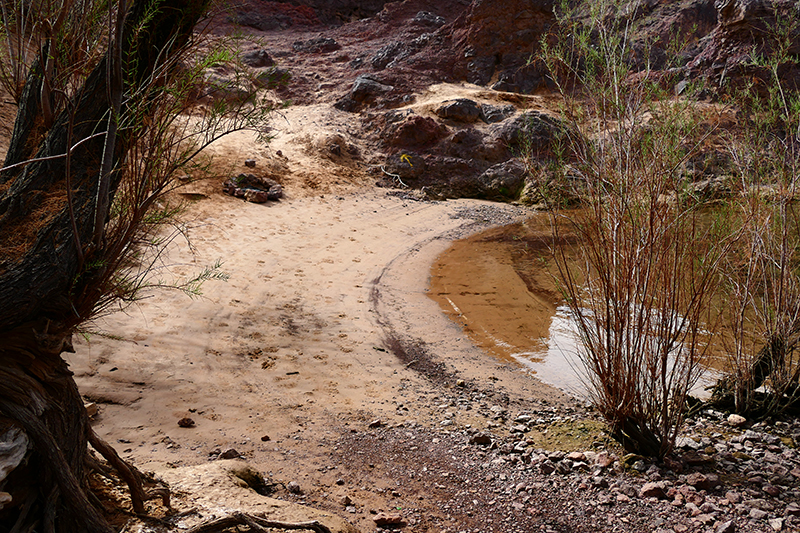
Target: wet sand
column 499, row 286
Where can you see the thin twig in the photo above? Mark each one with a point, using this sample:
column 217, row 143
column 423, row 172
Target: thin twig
column 395, row 176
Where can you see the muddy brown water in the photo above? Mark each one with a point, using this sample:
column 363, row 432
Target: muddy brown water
column 500, row 286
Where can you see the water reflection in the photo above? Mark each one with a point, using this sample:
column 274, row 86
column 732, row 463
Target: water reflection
column 554, row 359
column 500, row 286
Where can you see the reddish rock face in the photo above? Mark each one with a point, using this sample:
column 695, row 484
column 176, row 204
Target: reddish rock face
column 417, row 131
column 746, row 30
column 493, row 42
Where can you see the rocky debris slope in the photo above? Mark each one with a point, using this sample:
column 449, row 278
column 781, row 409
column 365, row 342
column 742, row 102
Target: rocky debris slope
column 723, row 477
column 373, row 60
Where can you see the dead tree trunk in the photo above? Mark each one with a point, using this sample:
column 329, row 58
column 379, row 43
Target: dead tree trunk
column 52, row 274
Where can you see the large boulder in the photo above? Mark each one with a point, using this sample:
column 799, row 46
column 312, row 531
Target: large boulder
column 461, row 110
column 415, row 132
column 533, row 132
column 365, row 90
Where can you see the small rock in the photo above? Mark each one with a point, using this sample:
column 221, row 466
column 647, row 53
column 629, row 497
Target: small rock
column 772, row 490
column 388, row 520
column 705, row 518
column 547, row 467
column 462, row 110
column 230, row 453
column 250, row 163
column 318, row 45
column 265, row 438
column 693, row 509
column 564, row 467
column 687, row 442
column 693, row 458
column 776, row 524
column 653, row 490
column 91, row 409
column 376, row 424
column 733, row 497
column 702, row 481
column 481, row 439
column 726, row 527
column 736, row 420
column 793, row 509
column 426, row 18
column 257, row 59
column 758, row 514
column 576, row 457
column 345, row 500
column 186, row 422
column 604, row 460
column 294, row 487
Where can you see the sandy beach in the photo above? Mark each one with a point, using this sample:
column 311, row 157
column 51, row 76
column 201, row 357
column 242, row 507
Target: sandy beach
column 324, row 324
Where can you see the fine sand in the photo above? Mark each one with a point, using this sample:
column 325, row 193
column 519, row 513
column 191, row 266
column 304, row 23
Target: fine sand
column 324, row 326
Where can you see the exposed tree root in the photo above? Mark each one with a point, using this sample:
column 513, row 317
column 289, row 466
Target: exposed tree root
column 255, row 523
column 65, row 485
column 129, row 474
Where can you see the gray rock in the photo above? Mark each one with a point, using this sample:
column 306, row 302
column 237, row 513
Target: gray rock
column 257, row 59
column 776, row 524
column 736, row 420
column 221, row 86
column 387, row 54
column 726, row 527
column 687, row 442
column 365, row 87
column 481, row 439
column 426, row 18
column 462, row 110
column 733, row 497
column 230, row 453
column 316, row 46
column 564, row 467
column 252, row 188
column 491, row 114
column 533, row 130
column 504, row 180
column 547, row 467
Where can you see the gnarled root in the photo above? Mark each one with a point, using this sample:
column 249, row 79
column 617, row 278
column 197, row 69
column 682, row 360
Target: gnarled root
column 255, row 523
column 129, row 474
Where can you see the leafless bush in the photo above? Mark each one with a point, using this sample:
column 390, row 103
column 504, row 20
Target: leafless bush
column 640, row 280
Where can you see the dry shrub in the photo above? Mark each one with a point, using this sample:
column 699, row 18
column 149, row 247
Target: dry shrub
column 641, row 289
